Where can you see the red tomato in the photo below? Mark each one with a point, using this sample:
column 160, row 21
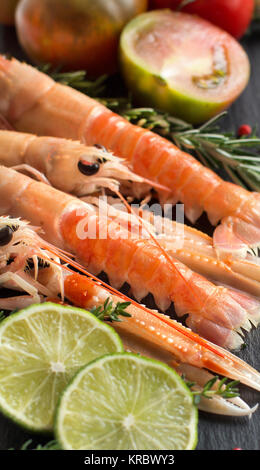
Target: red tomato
column 75, row 34
column 233, row 16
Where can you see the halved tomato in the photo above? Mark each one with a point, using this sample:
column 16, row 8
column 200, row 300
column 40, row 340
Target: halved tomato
column 182, row 64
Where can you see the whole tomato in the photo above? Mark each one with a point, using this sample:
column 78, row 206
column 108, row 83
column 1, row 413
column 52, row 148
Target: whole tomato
column 75, row 34
column 7, row 9
column 233, row 16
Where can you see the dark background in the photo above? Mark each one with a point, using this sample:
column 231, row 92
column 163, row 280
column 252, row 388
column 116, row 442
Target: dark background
column 215, row 432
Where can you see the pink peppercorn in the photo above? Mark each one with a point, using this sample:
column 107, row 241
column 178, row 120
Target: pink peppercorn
column 245, row 129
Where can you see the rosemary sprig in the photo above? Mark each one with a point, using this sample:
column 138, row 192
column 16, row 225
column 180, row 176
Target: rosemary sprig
column 77, row 80
column 52, row 445
column 223, row 389
column 111, row 312
column 239, row 157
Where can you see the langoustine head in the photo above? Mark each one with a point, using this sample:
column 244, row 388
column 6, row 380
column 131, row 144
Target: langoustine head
column 26, row 264
column 99, row 168
column 68, row 165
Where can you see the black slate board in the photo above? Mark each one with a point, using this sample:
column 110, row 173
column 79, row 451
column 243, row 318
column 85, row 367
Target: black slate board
column 215, row 432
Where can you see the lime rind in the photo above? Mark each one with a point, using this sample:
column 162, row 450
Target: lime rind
column 66, row 429
column 28, row 350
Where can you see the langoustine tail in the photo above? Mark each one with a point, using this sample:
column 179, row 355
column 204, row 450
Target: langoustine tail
column 231, row 314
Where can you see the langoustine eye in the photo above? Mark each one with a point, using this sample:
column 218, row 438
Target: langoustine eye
column 87, row 168
column 6, row 235
column 100, row 147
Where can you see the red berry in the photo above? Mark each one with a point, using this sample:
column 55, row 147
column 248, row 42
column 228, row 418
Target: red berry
column 245, row 129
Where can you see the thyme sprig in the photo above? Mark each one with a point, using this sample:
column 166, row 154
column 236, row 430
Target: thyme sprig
column 111, row 312
column 223, row 389
column 239, row 157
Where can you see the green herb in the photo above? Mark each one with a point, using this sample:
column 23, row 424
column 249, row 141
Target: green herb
column 111, row 312
column 52, row 445
column 239, row 157
column 2, row 315
column 223, row 389
column 77, row 80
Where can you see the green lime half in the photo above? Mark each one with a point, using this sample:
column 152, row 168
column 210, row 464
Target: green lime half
column 125, row 401
column 41, row 349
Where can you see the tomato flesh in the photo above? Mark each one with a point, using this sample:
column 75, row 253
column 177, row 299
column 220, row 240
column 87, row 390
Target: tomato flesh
column 233, row 16
column 75, row 34
column 182, row 64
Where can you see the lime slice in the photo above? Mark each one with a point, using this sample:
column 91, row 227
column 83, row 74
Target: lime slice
column 125, row 401
column 41, row 349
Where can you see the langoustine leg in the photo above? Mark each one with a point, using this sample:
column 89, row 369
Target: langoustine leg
column 33, row 102
column 214, row 311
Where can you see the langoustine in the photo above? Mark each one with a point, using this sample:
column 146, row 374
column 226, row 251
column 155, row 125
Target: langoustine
column 81, row 170
column 101, row 244
column 144, row 331
column 33, row 102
